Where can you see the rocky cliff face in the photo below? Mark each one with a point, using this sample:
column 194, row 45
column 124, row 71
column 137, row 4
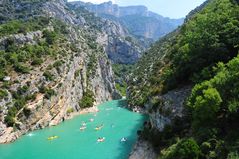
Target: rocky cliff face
column 121, row 47
column 143, row 150
column 51, row 90
column 162, row 110
column 138, row 20
column 169, row 106
column 114, row 9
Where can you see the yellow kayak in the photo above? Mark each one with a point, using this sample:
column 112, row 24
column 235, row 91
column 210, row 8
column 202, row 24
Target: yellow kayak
column 99, row 127
column 52, row 137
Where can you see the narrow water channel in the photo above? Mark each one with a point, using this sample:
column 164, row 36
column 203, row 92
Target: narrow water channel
column 73, row 143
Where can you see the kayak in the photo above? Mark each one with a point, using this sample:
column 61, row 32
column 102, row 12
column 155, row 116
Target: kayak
column 99, row 127
column 83, row 128
column 123, row 139
column 101, row 139
column 52, row 137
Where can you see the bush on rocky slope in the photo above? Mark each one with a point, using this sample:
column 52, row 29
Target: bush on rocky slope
column 65, row 48
column 181, row 57
column 87, row 100
column 202, row 53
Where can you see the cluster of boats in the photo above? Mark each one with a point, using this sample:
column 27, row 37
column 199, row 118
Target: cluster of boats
column 83, row 125
column 102, row 139
column 97, row 128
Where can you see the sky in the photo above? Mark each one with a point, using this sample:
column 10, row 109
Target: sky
column 166, row 8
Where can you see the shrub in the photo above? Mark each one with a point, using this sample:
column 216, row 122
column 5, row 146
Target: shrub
column 31, row 97
column 233, row 155
column 206, row 107
column 49, row 93
column 9, row 120
column 58, row 63
column 77, row 73
column 22, row 90
column 49, row 67
column 50, row 36
column 27, row 112
column 3, row 62
column 48, row 76
column 3, row 94
column 21, row 26
column 87, row 99
column 70, row 110
column 121, row 88
column 36, row 61
column 19, row 103
column 2, row 74
column 185, row 149
column 21, row 69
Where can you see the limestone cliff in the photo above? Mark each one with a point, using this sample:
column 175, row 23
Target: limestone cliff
column 119, row 44
column 162, row 111
column 72, row 66
column 138, row 20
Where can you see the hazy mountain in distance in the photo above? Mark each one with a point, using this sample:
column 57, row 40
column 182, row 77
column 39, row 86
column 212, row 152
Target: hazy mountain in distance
column 138, row 20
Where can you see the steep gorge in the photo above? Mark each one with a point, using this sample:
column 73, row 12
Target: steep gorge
column 138, row 20
column 120, row 47
column 50, row 67
column 55, row 60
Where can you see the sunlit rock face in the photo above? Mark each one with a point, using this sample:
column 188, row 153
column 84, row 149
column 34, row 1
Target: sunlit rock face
column 138, row 20
column 75, row 66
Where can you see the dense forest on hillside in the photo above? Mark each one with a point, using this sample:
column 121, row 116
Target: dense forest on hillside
column 202, row 54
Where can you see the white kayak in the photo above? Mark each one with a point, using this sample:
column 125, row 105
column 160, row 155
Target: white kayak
column 101, row 139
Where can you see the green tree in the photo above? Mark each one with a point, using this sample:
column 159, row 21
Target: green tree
column 205, row 106
column 87, row 100
column 50, row 36
column 185, row 149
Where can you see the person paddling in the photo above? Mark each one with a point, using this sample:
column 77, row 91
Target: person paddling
column 101, row 139
column 124, row 139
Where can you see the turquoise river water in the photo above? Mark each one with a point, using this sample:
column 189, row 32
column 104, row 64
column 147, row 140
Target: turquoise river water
column 76, row 144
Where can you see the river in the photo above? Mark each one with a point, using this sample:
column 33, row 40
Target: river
column 73, row 143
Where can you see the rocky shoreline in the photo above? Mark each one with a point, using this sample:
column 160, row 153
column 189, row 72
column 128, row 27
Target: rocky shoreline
column 8, row 135
column 142, row 150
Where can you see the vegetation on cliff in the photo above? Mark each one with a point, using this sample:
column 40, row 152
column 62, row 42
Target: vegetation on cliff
column 46, row 52
column 188, row 54
column 202, row 53
column 121, row 72
column 87, row 100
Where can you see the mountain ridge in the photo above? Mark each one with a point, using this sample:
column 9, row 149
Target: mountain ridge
column 154, row 25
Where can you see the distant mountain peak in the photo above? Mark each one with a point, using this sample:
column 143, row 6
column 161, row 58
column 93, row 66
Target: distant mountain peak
column 138, row 20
